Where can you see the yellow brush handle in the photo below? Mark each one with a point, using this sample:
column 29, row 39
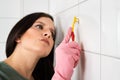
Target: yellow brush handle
column 74, row 21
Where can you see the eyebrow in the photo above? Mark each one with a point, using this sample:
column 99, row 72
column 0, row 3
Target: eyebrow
column 52, row 29
column 40, row 22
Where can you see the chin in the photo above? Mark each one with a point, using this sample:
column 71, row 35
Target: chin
column 44, row 54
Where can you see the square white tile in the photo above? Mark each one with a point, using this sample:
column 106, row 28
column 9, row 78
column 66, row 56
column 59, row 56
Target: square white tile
column 89, row 27
column 88, row 68
column 110, row 68
column 110, row 28
column 2, row 51
column 31, row 6
column 10, row 8
column 61, row 5
column 6, row 26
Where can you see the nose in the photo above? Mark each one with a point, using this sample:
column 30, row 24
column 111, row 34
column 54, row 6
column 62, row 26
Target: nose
column 47, row 34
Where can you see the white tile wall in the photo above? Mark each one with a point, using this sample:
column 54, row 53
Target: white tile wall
column 90, row 66
column 61, row 5
column 85, row 72
column 10, row 8
column 31, row 6
column 6, row 25
column 2, row 51
column 89, row 14
column 64, row 21
column 98, row 30
column 110, row 68
column 118, row 31
column 87, row 32
column 109, row 27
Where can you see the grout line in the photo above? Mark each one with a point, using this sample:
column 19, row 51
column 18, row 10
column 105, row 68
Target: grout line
column 21, row 8
column 102, row 54
column 9, row 17
column 48, row 6
column 100, row 36
column 91, row 52
column 111, row 56
column 78, row 9
column 2, row 42
column 71, row 7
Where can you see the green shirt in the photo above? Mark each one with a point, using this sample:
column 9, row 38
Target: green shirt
column 8, row 73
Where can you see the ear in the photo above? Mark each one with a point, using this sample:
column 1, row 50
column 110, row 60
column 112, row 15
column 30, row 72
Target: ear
column 18, row 40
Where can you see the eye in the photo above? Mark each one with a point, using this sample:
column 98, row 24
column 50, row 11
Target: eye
column 39, row 26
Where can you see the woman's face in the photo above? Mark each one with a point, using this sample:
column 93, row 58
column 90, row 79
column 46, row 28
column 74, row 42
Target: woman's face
column 39, row 37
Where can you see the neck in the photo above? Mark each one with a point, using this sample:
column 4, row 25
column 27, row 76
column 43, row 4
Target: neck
column 23, row 62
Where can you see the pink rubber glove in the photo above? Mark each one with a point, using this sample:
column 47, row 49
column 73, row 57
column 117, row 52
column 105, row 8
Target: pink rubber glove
column 67, row 57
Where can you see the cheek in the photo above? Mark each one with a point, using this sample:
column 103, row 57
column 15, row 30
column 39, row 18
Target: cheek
column 30, row 35
column 52, row 43
column 28, row 38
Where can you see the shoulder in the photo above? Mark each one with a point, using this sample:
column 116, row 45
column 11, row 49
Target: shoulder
column 8, row 73
column 3, row 75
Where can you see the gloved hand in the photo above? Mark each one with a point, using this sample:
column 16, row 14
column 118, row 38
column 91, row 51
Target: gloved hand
column 67, row 57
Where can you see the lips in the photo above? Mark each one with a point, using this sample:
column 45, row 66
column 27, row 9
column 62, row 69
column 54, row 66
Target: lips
column 46, row 41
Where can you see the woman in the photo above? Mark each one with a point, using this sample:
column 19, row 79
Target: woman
column 29, row 49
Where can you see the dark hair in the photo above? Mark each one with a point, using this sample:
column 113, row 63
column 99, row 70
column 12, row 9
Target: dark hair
column 44, row 68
